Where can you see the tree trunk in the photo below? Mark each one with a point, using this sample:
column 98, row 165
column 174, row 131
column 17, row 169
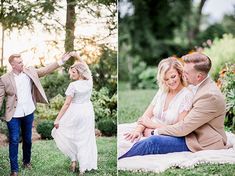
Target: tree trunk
column 195, row 29
column 199, row 15
column 70, row 27
column 2, row 52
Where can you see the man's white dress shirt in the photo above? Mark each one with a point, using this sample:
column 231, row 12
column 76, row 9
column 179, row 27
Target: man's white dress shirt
column 25, row 104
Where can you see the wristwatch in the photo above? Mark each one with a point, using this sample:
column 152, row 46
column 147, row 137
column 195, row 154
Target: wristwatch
column 154, row 132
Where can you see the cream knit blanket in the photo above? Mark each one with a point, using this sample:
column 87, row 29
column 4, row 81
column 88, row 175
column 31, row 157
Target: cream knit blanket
column 161, row 162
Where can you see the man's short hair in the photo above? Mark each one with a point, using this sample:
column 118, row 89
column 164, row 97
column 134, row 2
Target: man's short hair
column 12, row 57
column 201, row 62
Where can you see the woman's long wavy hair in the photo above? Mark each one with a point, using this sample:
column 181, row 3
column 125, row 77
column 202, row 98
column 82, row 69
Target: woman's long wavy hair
column 164, row 66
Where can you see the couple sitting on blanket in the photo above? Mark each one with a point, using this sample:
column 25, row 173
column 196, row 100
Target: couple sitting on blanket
column 180, row 117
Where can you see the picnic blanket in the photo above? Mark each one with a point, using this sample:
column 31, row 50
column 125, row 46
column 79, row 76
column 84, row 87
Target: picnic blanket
column 161, row 162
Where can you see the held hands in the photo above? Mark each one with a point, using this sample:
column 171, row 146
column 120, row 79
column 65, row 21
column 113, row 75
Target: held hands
column 77, row 55
column 74, row 54
column 133, row 136
column 66, row 57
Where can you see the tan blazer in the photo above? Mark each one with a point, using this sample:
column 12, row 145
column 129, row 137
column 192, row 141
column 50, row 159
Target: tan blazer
column 203, row 127
column 8, row 88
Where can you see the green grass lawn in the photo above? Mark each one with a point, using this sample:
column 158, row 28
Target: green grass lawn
column 47, row 160
column 132, row 104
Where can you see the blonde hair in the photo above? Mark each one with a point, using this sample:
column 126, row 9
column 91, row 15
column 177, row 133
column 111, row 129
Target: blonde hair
column 164, row 66
column 202, row 63
column 82, row 69
column 12, row 57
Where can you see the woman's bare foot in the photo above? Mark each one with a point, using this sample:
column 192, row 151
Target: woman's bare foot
column 73, row 166
column 81, row 174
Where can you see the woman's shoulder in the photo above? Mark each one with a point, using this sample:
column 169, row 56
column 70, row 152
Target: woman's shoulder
column 81, row 84
column 187, row 92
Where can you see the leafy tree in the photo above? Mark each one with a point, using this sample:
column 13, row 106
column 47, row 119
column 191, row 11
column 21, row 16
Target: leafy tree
column 153, row 30
column 71, row 18
column 20, row 14
column 193, row 29
column 228, row 23
column 105, row 70
column 148, row 33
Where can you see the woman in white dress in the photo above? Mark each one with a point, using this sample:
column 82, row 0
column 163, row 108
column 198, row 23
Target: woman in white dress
column 74, row 131
column 170, row 105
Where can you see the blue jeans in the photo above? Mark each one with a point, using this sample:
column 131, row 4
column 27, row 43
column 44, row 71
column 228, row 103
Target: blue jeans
column 157, row 144
column 14, row 126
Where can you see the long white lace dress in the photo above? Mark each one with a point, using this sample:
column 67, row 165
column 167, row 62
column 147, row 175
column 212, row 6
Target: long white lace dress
column 75, row 136
column 181, row 102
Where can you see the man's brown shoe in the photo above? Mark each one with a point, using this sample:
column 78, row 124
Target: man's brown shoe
column 14, row 174
column 27, row 166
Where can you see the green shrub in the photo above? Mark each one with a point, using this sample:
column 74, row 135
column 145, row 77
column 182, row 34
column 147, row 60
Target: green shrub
column 57, row 102
column 105, row 107
column 104, row 72
column 221, row 52
column 3, row 109
column 44, row 129
column 107, row 127
column 3, row 70
column 45, row 112
column 138, row 67
column 49, row 112
column 226, row 82
column 3, row 127
column 147, row 79
column 55, row 83
column 142, row 76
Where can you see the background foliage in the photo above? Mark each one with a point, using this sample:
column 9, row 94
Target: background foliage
column 226, row 82
column 221, row 51
column 152, row 30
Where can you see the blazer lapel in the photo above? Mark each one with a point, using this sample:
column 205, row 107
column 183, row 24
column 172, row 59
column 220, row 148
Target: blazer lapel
column 29, row 74
column 35, row 81
column 37, row 84
column 201, row 88
column 12, row 79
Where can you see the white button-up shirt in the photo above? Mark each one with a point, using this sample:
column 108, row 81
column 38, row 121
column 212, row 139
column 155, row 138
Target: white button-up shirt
column 25, row 104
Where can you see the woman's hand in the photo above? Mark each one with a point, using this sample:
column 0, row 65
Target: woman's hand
column 56, row 124
column 74, row 54
column 77, row 55
column 133, row 136
column 66, row 57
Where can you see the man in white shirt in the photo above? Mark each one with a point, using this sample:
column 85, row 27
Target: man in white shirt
column 22, row 90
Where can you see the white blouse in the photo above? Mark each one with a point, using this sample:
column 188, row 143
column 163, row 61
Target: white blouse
column 181, row 102
column 80, row 90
